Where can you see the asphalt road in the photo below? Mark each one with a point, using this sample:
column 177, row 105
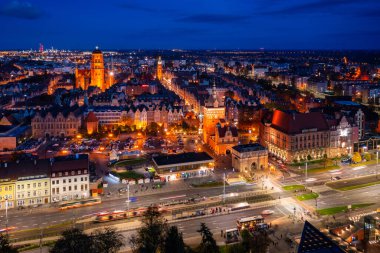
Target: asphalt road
column 220, row 222
column 35, row 218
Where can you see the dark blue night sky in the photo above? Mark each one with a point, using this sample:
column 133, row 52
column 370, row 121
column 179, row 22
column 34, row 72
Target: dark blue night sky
column 190, row 24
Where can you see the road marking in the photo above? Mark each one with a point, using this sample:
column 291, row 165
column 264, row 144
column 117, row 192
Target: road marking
column 174, row 197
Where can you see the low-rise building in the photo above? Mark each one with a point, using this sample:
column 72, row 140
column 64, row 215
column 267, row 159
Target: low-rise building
column 33, row 182
column 7, row 187
column 69, row 177
column 185, row 165
column 249, row 158
column 56, row 122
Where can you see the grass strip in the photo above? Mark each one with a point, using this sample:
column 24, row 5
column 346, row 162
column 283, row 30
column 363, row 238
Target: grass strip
column 308, row 196
column 293, row 187
column 340, row 209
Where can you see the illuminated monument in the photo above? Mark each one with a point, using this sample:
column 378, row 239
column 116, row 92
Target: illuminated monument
column 97, row 75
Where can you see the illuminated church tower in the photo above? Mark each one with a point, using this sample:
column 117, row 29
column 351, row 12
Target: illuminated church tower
column 97, row 75
column 97, row 69
column 159, row 68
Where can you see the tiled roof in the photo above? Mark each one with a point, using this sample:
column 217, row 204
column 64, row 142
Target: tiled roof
column 294, row 123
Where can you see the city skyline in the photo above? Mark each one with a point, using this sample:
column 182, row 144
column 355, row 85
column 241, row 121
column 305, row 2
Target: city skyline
column 338, row 24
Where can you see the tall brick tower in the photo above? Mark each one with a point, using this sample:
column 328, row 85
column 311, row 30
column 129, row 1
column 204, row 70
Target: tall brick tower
column 97, row 69
column 159, row 68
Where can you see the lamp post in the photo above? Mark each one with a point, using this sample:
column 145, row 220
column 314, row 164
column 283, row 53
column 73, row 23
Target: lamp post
column 377, row 159
column 224, row 187
column 305, row 173
column 128, row 200
column 6, row 214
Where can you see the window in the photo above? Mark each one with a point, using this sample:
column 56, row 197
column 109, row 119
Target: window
column 81, row 187
column 60, row 174
column 81, row 179
column 85, row 187
column 85, row 171
column 69, row 188
column 57, row 181
column 72, row 172
column 79, row 172
column 66, row 173
column 39, row 184
column 53, row 174
column 46, row 192
column 18, row 187
column 64, row 189
column 85, row 178
column 69, row 180
column 75, row 187
column 75, row 179
column 46, row 184
column 6, row 188
column 52, row 182
column 64, row 181
column 34, row 185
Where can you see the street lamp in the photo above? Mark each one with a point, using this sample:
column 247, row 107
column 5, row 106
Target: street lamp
column 128, row 200
column 377, row 159
column 6, row 214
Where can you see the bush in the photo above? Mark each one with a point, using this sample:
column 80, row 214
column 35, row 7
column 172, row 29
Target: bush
column 356, row 158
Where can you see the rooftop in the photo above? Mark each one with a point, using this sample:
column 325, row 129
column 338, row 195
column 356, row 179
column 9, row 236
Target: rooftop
column 248, row 147
column 295, row 123
column 182, row 158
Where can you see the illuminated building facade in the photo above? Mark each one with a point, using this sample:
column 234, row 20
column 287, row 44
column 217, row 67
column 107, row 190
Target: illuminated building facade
column 293, row 136
column 97, row 75
column 55, row 124
column 249, row 158
column 225, row 137
column 213, row 111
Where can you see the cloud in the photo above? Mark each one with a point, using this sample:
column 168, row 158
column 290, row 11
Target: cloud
column 213, row 18
column 316, row 6
column 20, row 9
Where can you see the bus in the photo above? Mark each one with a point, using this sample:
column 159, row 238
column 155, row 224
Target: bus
column 79, row 203
column 251, row 223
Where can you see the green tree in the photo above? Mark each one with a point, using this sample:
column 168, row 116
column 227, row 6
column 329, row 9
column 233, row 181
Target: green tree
column 246, row 237
column 73, row 240
column 235, row 248
column 107, row 241
column 173, row 241
column 208, row 243
column 151, row 235
column 259, row 242
column 5, row 246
